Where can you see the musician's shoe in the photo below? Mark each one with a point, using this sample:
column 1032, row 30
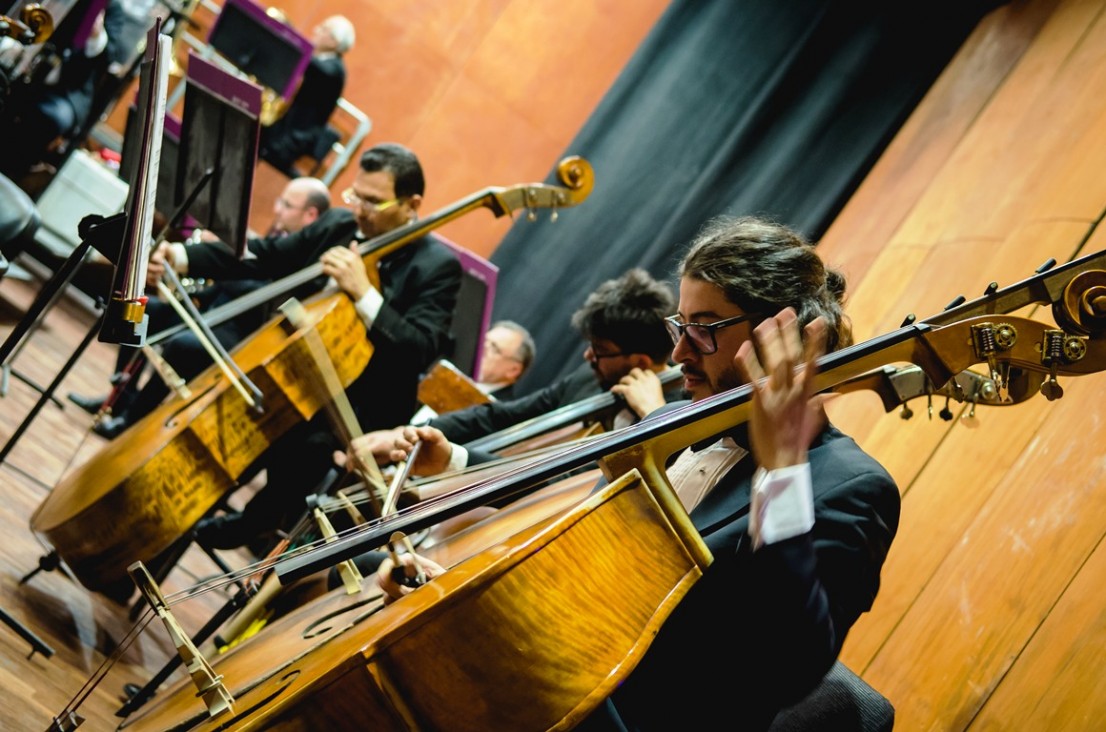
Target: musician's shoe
column 110, row 427
column 89, row 404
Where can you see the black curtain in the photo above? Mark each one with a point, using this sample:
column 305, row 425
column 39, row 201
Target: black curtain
column 769, row 107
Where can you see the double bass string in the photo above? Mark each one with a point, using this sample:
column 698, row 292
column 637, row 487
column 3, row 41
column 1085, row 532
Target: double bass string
column 106, row 665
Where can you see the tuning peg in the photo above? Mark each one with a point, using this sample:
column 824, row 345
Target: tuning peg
column 908, row 320
column 958, row 301
column 1051, row 390
column 1051, row 353
column 1049, row 264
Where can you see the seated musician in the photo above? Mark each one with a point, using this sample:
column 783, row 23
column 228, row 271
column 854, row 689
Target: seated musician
column 508, row 351
column 295, row 133
column 623, row 323
column 59, row 105
column 797, row 517
column 300, row 203
column 407, row 321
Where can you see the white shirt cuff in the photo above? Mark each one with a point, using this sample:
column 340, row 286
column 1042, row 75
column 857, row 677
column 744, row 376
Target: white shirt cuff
column 782, row 504
column 458, row 459
column 180, row 257
column 368, row 307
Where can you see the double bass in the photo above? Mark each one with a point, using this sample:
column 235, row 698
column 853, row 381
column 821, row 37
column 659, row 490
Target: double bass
column 146, row 489
column 528, row 634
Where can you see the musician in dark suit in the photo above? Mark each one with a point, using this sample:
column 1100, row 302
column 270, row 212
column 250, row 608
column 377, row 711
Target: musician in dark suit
column 60, row 104
column 508, row 352
column 623, row 324
column 300, row 203
column 408, row 323
column 296, row 132
column 797, row 517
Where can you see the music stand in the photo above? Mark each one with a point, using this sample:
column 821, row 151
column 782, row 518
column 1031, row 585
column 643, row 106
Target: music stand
column 272, row 52
column 219, row 132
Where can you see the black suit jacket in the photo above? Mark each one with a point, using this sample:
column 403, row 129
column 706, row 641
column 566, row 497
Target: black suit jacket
column 465, row 425
column 419, row 283
column 760, row 629
column 297, row 132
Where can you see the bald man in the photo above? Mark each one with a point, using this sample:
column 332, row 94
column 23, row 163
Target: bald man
column 300, row 203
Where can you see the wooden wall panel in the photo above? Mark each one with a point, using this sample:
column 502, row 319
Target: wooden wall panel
column 487, row 92
column 991, row 614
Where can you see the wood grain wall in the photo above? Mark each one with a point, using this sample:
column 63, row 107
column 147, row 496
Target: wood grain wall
column 487, row 92
column 992, row 613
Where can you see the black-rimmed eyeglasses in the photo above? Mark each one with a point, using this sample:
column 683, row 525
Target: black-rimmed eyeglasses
column 596, row 357
column 495, row 350
column 700, row 335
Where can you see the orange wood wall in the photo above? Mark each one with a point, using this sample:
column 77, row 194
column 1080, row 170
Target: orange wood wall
column 487, row 92
column 992, row 613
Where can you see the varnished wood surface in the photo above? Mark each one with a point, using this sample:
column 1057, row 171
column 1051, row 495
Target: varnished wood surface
column 82, row 627
column 991, row 614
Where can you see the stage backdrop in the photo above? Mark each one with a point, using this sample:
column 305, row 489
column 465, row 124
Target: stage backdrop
column 756, row 107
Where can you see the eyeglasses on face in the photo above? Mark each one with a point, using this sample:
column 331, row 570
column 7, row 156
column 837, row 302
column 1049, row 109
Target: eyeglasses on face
column 495, row 350
column 596, row 357
column 700, row 335
column 352, row 198
column 288, row 205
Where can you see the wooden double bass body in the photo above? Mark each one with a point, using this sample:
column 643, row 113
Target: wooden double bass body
column 149, row 486
column 535, row 631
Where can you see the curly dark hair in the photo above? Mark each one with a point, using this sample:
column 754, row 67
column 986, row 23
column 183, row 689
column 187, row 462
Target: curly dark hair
column 763, row 267
column 629, row 311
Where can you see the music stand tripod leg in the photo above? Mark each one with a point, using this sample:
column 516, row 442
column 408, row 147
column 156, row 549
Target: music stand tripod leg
column 48, row 393
column 37, row 644
column 42, row 300
column 7, row 370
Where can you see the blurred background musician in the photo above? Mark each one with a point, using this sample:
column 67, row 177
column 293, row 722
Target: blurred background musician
column 508, row 351
column 622, row 322
column 300, row 203
column 296, row 133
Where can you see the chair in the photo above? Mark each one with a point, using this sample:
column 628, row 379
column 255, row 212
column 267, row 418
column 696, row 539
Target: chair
column 842, row 702
column 335, row 147
column 19, row 220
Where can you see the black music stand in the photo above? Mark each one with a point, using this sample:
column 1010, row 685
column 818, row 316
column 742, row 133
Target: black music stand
column 220, row 127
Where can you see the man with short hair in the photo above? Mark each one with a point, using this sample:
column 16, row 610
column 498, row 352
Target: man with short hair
column 300, row 203
column 622, row 322
column 407, row 321
column 508, row 351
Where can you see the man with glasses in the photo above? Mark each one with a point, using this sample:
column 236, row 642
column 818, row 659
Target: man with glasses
column 407, row 321
column 508, row 351
column 622, row 322
column 301, row 202
column 797, row 517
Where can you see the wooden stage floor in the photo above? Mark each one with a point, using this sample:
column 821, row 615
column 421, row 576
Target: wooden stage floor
column 82, row 627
